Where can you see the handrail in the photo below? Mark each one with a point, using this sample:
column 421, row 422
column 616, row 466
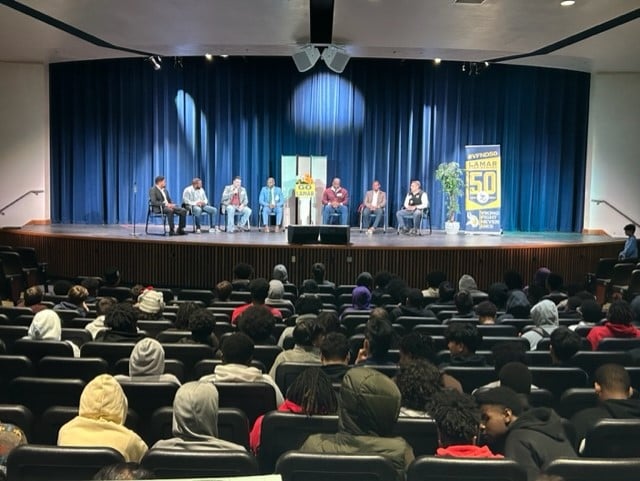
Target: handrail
column 35, row 192
column 602, row 201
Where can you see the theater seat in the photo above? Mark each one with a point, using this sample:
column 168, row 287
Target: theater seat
column 294, row 466
column 433, row 468
column 38, row 393
column 18, row 415
column 173, row 464
column 613, row 438
column 594, row 469
column 254, row 398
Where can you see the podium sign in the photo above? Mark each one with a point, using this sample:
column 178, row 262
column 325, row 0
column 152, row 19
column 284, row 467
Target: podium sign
column 483, row 189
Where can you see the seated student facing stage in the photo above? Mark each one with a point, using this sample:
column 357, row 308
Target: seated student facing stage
column 415, row 202
column 271, row 202
column 194, row 198
column 335, row 200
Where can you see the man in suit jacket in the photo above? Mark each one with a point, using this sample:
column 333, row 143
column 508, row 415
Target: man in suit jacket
column 235, row 201
column 271, row 200
column 161, row 201
column 374, row 203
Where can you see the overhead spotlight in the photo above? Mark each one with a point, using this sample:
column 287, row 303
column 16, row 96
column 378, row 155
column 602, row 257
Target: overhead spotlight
column 568, row 3
column 437, row 61
column 224, row 56
column 209, row 57
column 306, row 57
column 336, row 58
column 156, row 62
column 177, row 62
column 464, row 67
column 486, row 64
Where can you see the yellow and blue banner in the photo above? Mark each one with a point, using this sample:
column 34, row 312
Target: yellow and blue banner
column 483, row 197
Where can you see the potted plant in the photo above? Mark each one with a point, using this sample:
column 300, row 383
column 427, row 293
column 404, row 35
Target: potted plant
column 449, row 174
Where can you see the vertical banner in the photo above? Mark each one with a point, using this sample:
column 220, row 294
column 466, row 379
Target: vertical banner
column 483, row 197
column 303, row 181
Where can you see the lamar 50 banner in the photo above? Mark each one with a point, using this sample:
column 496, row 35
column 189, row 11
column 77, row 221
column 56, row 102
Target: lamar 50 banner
column 483, row 195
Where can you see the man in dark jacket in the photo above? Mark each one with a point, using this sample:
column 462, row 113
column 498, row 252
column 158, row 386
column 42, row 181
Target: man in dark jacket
column 463, row 339
column 368, row 410
column 613, row 387
column 533, row 438
column 412, row 307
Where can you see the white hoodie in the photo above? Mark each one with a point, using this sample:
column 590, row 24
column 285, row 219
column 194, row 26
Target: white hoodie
column 242, row 373
column 46, row 326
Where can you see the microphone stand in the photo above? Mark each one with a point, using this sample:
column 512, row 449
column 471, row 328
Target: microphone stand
column 135, row 199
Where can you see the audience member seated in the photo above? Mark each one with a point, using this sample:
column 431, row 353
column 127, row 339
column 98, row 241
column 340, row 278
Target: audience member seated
column 378, row 338
column 237, row 352
column 539, row 281
column 123, row 471
column 185, row 310
column 619, row 318
column 516, row 376
column 412, row 306
column 368, row 410
column 33, row 299
column 61, row 287
column 365, row 279
column 308, row 307
column 308, row 286
column 498, row 293
column 100, row 421
column 446, row 293
column 486, row 312
column 503, row 354
column 334, row 355
column 111, row 277
column 76, row 298
column 275, row 296
column 46, row 326
column 590, row 313
column 513, row 280
column 121, row 322
column 318, row 272
column 280, row 274
column 468, row 283
column 462, row 341
column 242, row 275
column 258, row 323
column 434, row 279
column 91, row 284
column 564, row 343
column 329, row 322
column 307, row 336
column 311, row 393
column 146, row 363
column 259, row 290
column 150, row 305
column 380, row 283
column 222, row 291
column 458, row 422
column 201, row 324
column 360, row 302
column 464, row 304
column 417, row 381
column 532, row 438
column 545, row 320
column 10, row 437
column 613, row 388
column 517, row 307
column 103, row 306
column 554, row 286
column 195, row 420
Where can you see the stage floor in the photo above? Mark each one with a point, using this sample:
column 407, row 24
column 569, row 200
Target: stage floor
column 438, row 239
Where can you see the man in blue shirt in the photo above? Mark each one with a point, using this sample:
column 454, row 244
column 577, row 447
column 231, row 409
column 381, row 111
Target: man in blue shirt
column 630, row 250
column 271, row 201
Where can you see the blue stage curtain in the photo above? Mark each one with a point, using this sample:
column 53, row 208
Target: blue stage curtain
column 116, row 124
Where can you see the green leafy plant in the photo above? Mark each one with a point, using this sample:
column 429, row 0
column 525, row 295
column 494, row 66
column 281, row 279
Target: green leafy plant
column 449, row 174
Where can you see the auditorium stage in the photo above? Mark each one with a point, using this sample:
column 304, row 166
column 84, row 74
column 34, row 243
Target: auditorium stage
column 200, row 260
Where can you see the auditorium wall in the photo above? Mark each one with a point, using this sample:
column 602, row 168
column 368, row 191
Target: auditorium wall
column 24, row 141
column 613, row 152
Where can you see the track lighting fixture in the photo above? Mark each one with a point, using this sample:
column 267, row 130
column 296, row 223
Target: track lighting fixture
column 155, row 61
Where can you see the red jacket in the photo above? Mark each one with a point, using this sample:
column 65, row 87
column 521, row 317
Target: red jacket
column 598, row 333
column 341, row 196
column 239, row 310
column 254, row 435
column 467, row 451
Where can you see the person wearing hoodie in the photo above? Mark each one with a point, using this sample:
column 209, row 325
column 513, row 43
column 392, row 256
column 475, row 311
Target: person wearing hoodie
column 237, row 351
column 281, row 274
column 618, row 324
column 517, row 307
column 532, row 438
column 195, row 420
column 46, row 326
column 308, row 306
column 613, row 388
column 413, row 306
column 458, row 423
column 545, row 320
column 104, row 305
column 100, row 421
column 307, row 336
column 463, row 339
column 367, row 413
column 76, row 301
column 468, row 283
column 146, row 363
column 360, row 302
column 311, row 393
column 275, row 296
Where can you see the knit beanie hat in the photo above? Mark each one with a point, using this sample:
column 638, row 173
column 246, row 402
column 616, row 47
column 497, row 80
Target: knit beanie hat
column 468, row 283
column 147, row 358
column 150, row 301
column 276, row 289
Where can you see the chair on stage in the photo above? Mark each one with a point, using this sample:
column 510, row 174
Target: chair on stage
column 385, row 219
column 237, row 215
column 212, row 220
column 426, row 216
column 155, row 212
column 272, row 219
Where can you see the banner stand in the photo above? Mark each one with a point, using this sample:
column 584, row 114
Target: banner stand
column 483, row 196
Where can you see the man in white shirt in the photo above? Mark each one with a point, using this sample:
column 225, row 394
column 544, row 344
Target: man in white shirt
column 194, row 198
column 415, row 203
column 374, row 203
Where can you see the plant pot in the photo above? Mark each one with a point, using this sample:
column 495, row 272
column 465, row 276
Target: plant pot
column 452, row 227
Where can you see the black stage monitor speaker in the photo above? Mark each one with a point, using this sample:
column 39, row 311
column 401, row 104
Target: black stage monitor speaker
column 335, row 234
column 303, row 234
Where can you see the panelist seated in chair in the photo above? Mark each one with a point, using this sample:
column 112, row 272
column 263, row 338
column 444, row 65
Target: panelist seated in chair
column 160, row 199
column 374, row 203
column 335, row 200
column 415, row 202
column 271, row 201
column 235, row 201
column 194, row 199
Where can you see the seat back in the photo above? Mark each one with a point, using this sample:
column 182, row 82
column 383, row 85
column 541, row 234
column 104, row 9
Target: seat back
column 14, row 311
column 109, row 351
column 120, row 293
column 435, row 468
column 594, row 469
column 39, row 393
column 266, row 354
column 283, row 431
column 10, row 334
column 613, row 438
column 11, row 367
column 171, row 366
column 85, row 368
column 420, row 433
column 294, row 466
column 558, row 379
column 618, row 344
column 203, row 295
column 189, row 354
column 574, row 400
column 472, row 377
column 589, row 361
column 174, row 464
column 36, row 350
column 254, row 398
column 77, row 336
column 171, row 336
column 32, row 462
column 287, row 372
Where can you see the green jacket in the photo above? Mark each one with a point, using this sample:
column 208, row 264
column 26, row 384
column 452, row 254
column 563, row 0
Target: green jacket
column 369, row 408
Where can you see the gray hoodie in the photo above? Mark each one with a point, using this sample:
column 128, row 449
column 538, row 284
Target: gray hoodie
column 545, row 317
column 146, row 363
column 241, row 373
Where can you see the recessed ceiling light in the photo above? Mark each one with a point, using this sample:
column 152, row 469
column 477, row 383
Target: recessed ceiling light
column 568, row 3
column 436, row 61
